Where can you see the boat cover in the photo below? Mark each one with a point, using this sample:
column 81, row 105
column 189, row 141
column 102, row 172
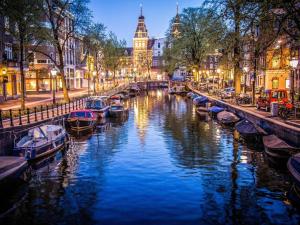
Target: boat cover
column 273, row 142
column 227, row 117
column 215, row 109
column 246, row 127
column 200, row 100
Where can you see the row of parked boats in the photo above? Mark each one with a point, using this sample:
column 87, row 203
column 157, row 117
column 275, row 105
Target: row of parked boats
column 45, row 140
column 278, row 151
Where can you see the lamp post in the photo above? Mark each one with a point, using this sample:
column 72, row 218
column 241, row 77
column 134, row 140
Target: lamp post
column 53, row 76
column 293, row 64
column 246, row 70
column 218, row 72
column 94, row 81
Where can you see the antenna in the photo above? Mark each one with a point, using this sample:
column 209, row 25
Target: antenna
column 141, row 6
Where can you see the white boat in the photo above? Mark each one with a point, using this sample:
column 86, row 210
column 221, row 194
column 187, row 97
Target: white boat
column 41, row 141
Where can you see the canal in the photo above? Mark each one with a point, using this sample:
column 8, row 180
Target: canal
column 161, row 165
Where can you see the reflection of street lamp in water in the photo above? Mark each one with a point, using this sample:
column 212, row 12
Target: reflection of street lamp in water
column 53, row 76
column 94, row 81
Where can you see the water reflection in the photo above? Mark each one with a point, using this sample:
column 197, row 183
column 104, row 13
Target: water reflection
column 161, row 164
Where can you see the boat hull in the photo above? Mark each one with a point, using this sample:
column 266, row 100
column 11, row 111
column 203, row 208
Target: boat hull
column 13, row 170
column 47, row 149
column 117, row 113
column 81, row 124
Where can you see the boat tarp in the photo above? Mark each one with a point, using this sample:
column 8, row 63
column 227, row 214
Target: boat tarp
column 215, row 109
column 228, row 117
column 273, row 142
column 200, row 100
column 246, row 127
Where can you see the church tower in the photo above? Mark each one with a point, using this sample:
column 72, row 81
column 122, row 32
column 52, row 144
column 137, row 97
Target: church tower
column 140, row 45
column 176, row 24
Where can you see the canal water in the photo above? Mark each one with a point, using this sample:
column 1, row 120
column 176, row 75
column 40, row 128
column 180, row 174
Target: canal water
column 161, row 165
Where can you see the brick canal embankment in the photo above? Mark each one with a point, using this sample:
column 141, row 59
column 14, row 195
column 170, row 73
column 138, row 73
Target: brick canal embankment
column 287, row 132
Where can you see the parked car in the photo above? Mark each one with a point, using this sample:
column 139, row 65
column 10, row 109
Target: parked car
column 228, row 93
column 269, row 96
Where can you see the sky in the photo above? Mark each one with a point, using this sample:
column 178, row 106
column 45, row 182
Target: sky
column 121, row 16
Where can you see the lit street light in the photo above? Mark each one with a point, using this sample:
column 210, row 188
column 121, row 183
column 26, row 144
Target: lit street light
column 293, row 64
column 53, row 76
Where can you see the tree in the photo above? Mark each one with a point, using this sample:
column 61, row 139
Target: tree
column 24, row 18
column 94, row 40
column 58, row 35
column 113, row 51
column 201, row 33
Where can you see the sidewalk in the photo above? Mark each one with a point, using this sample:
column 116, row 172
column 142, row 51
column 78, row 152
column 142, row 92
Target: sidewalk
column 38, row 99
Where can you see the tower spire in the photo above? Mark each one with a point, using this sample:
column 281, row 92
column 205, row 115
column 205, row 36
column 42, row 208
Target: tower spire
column 141, row 6
column 177, row 8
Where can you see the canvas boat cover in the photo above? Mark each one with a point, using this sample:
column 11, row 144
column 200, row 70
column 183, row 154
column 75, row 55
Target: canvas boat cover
column 228, row 117
column 215, row 109
column 273, row 142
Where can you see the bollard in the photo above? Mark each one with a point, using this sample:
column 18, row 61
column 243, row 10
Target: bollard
column 52, row 110
column 20, row 117
column 1, row 123
column 28, row 116
column 11, row 118
column 47, row 111
column 42, row 115
column 35, row 116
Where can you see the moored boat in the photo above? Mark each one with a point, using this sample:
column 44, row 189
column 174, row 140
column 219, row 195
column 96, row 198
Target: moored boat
column 246, row 128
column 117, row 110
column 200, row 101
column 11, row 167
column 82, row 120
column 293, row 166
column 277, row 149
column 180, row 90
column 98, row 105
column 214, row 110
column 41, row 141
column 227, row 118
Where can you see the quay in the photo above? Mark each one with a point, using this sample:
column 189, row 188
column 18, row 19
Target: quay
column 271, row 125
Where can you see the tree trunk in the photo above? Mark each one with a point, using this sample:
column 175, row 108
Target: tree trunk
column 21, row 45
column 62, row 72
column 236, row 51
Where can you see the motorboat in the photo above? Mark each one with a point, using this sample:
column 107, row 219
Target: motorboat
column 247, row 129
column 227, row 118
column 11, row 167
column 41, row 141
column 123, row 95
column 200, row 101
column 278, row 150
column 98, row 105
column 133, row 91
column 115, row 99
column 214, row 110
column 190, row 94
column 293, row 166
column 81, row 120
column 117, row 110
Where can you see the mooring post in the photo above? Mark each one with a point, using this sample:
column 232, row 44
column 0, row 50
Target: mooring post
column 11, row 118
column 28, row 116
column 35, row 116
column 20, row 117
column 47, row 111
column 57, row 109
column 42, row 115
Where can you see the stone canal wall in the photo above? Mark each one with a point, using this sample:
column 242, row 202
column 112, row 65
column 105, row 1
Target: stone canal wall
column 287, row 132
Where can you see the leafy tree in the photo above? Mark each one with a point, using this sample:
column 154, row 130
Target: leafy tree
column 113, row 51
column 201, row 33
column 58, row 35
column 24, row 18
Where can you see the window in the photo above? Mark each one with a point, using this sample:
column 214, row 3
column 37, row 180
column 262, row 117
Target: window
column 8, row 50
column 287, row 83
column 275, row 83
column 158, row 45
column 42, row 61
column 158, row 54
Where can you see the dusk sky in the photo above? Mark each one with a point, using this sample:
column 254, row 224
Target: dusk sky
column 120, row 16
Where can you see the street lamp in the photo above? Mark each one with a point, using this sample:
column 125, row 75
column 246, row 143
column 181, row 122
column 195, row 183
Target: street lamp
column 53, row 76
column 293, row 64
column 94, row 81
column 246, row 70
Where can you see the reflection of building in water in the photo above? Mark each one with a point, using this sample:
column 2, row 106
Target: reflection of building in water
column 141, row 109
